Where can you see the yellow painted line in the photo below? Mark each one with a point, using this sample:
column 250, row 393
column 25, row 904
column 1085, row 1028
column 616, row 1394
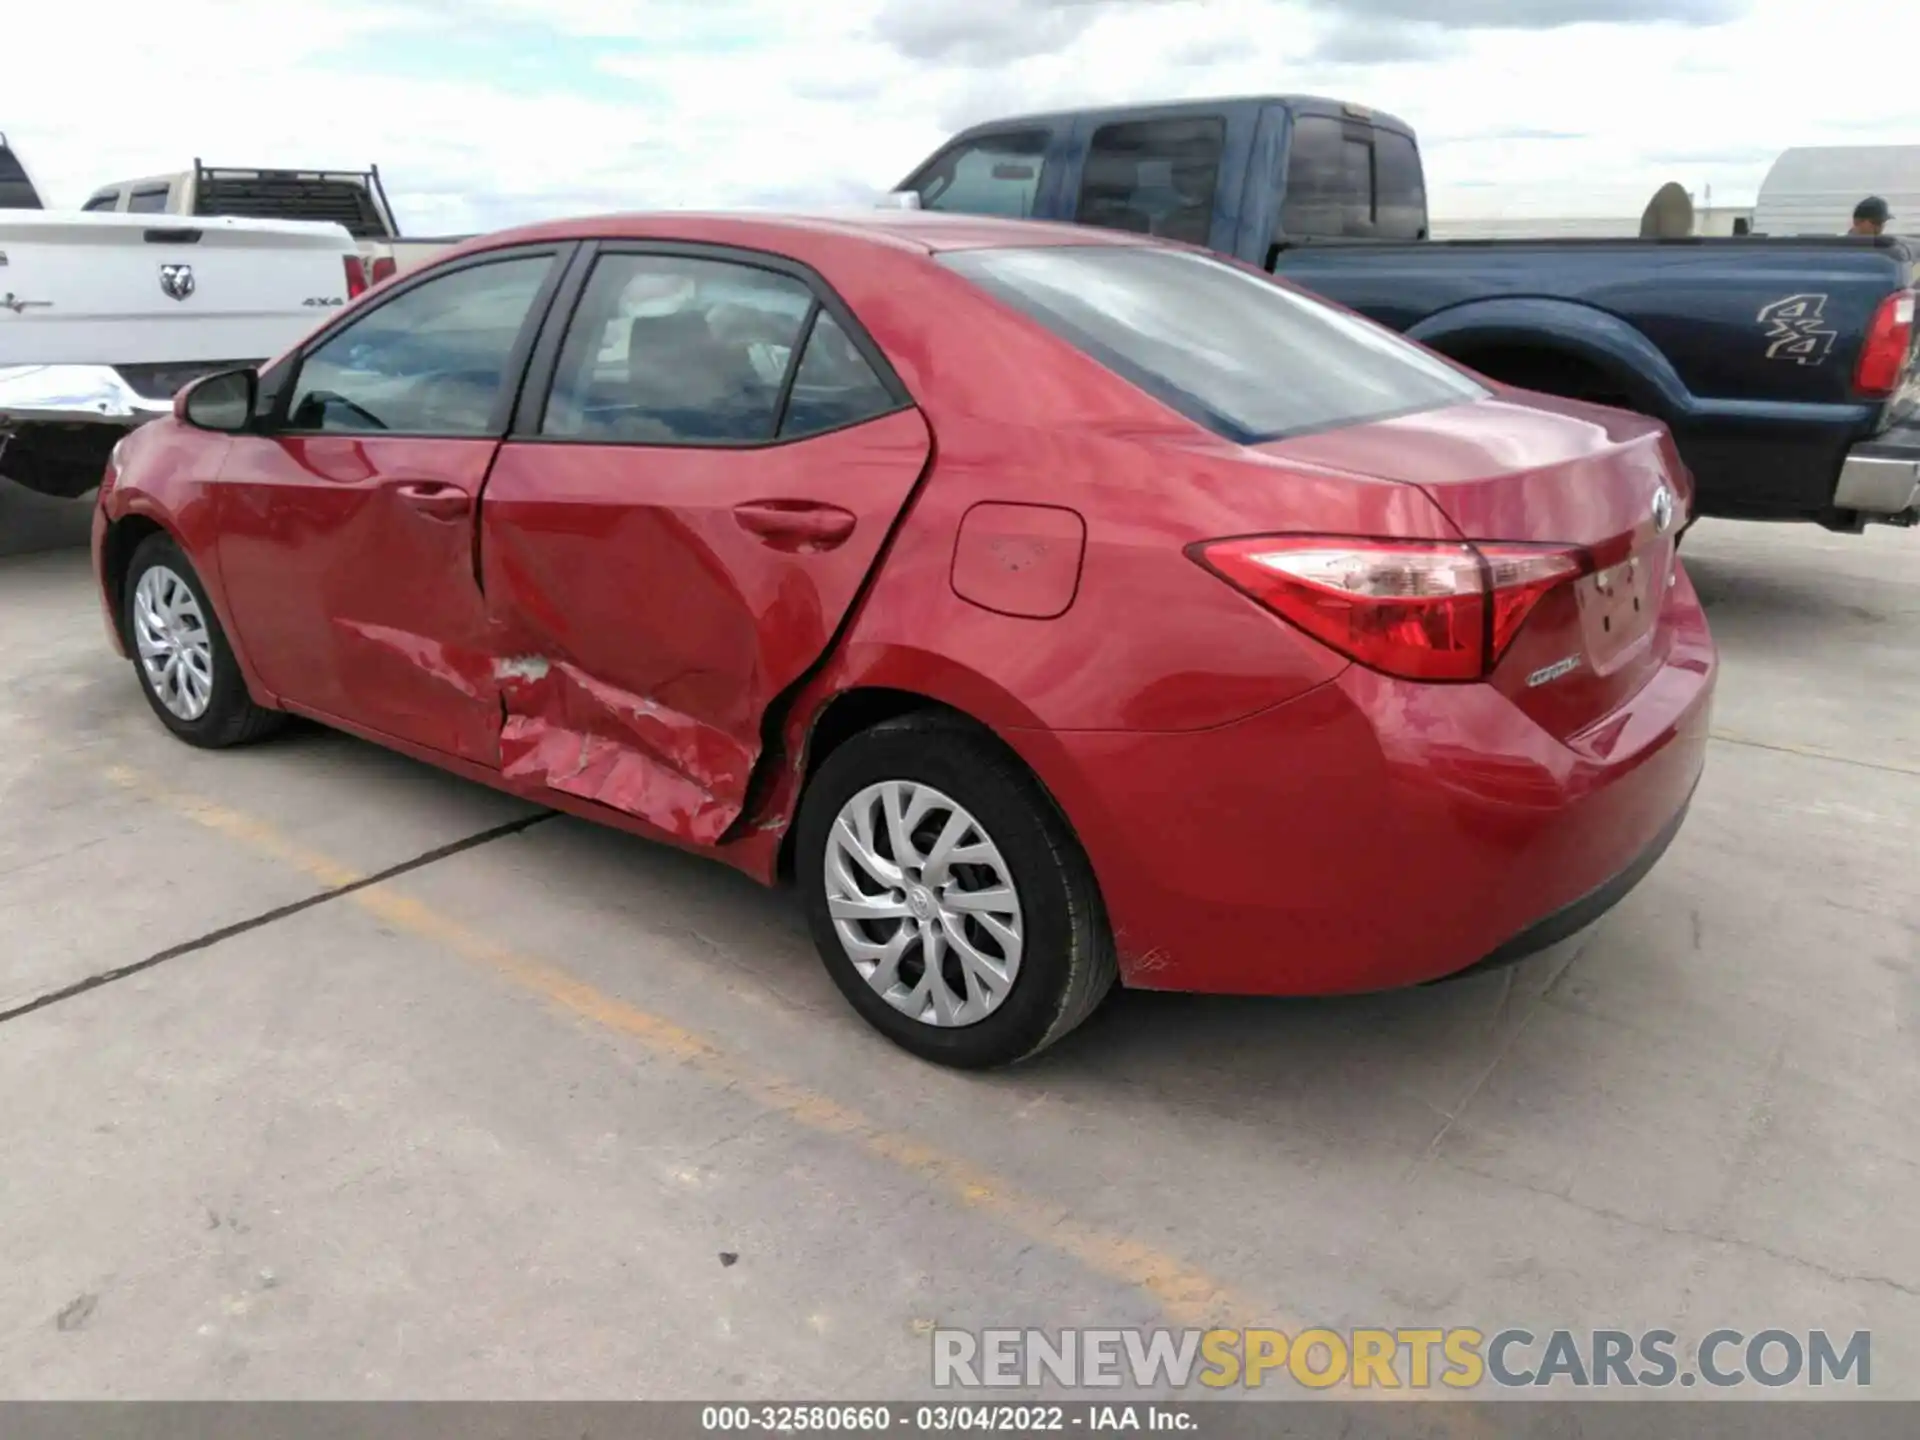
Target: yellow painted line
column 1187, row 1296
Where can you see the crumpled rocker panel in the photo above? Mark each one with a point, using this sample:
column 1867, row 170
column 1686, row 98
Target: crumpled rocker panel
column 583, row 737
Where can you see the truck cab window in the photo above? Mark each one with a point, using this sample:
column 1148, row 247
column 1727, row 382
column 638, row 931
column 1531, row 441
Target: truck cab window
column 987, row 175
column 1154, row 177
column 1400, row 197
column 1330, row 183
column 148, row 202
column 105, row 200
column 16, row 190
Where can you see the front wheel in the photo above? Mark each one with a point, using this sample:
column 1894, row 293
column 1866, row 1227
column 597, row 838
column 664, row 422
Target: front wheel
column 948, row 898
column 187, row 669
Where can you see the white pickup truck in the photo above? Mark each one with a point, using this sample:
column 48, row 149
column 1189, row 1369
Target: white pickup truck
column 353, row 198
column 104, row 317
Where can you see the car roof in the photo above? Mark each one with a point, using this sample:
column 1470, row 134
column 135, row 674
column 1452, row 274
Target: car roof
column 927, row 232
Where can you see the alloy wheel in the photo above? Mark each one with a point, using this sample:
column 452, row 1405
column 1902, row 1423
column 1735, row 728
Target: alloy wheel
column 923, row 903
column 174, row 642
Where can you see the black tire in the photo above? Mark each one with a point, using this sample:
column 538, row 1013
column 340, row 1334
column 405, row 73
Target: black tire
column 231, row 716
column 1067, row 963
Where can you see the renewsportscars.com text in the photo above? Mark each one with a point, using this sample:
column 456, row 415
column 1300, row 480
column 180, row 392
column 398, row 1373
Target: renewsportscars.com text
column 1461, row 1358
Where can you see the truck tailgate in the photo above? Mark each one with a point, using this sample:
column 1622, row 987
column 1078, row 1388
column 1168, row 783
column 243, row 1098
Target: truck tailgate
column 106, row 289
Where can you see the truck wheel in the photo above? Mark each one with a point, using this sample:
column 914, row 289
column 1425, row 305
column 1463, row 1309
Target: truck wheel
column 947, row 897
column 187, row 669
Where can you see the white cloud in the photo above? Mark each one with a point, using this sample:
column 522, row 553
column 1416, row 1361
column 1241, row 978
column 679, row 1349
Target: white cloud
column 596, row 105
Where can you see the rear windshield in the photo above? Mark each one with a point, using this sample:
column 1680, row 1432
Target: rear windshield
column 1232, row 351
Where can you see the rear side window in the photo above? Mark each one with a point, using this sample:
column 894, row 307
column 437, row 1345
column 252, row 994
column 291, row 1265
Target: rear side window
column 1247, row 358
column 1400, row 195
column 148, row 202
column 1154, row 177
column 678, row 350
column 995, row 174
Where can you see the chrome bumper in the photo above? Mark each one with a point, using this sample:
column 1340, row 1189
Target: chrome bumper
column 74, row 394
column 1878, row 480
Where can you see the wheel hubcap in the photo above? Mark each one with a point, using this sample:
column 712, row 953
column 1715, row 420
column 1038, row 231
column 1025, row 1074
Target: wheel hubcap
column 175, row 646
column 923, row 903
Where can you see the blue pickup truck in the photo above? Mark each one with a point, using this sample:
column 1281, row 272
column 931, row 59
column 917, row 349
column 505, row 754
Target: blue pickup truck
column 1784, row 366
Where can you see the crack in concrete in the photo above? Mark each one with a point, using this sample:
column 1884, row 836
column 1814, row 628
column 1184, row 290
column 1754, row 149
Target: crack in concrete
column 1688, row 1232
column 1807, row 752
column 268, row 917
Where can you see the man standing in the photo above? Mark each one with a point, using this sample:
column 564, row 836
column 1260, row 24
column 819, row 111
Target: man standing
column 1870, row 216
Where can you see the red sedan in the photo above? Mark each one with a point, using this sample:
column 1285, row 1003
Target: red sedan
column 1052, row 606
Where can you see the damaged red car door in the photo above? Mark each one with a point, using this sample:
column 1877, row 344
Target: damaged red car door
column 347, row 522
column 704, row 468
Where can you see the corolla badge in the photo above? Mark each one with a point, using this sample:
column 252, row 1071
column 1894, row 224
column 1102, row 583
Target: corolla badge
column 1662, row 510
column 176, row 281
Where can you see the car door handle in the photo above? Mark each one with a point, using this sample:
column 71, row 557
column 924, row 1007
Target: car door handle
column 796, row 524
column 435, row 498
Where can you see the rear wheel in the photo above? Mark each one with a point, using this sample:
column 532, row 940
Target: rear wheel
column 947, row 897
column 187, row 669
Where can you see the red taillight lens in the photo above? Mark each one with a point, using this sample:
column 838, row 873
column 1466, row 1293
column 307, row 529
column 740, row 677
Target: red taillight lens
column 1419, row 609
column 383, row 269
column 356, row 276
column 1883, row 359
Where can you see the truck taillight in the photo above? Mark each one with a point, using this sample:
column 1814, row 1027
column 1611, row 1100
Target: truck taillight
column 383, row 269
column 1883, row 359
column 356, row 276
column 1419, row 609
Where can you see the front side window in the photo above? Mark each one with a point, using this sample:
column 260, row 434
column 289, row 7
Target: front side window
column 105, row 200
column 834, row 386
column 433, row 360
column 1248, row 358
column 988, row 175
column 1154, row 177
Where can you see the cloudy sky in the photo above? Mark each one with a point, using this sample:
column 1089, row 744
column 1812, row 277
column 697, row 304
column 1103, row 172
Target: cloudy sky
column 487, row 112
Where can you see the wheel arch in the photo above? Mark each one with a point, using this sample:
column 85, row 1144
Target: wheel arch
column 1504, row 338
column 117, row 546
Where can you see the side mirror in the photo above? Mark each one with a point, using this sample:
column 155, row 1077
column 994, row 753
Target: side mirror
column 222, row 401
column 901, row 200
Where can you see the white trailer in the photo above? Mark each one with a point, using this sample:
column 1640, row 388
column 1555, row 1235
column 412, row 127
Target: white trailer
column 1812, row 189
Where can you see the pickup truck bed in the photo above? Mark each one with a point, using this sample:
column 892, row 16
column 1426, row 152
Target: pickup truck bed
column 1747, row 348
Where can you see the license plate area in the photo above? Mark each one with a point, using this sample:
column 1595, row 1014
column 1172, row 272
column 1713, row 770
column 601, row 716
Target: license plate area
column 1618, row 605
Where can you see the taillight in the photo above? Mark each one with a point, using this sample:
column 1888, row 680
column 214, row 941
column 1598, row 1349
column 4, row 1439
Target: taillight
column 1419, row 609
column 356, row 276
column 1883, row 359
column 383, row 269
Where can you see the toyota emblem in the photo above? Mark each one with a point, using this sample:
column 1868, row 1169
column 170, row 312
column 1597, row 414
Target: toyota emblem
column 1662, row 510
column 176, row 281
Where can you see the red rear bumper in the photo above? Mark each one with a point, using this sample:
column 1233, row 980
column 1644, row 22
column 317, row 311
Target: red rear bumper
column 1376, row 833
